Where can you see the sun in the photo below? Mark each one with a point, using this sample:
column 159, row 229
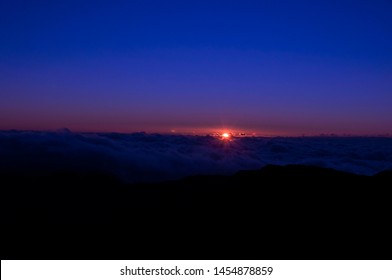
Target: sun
column 225, row 135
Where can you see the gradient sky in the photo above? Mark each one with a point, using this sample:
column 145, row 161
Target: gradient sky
column 271, row 67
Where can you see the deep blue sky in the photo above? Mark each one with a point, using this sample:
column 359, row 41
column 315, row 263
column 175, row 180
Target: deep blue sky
column 272, row 67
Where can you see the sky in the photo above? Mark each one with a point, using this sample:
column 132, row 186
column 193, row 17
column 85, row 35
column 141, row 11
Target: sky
column 265, row 67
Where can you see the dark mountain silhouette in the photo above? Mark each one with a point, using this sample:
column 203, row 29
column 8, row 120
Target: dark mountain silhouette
column 277, row 211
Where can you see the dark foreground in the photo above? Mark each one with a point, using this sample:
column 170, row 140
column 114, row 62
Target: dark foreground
column 291, row 212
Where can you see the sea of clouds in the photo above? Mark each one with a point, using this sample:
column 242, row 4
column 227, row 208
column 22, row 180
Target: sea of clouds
column 153, row 157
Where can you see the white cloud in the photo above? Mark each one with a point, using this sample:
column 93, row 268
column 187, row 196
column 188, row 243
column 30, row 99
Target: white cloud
column 150, row 157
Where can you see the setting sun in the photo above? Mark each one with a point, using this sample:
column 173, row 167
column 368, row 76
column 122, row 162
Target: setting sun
column 225, row 135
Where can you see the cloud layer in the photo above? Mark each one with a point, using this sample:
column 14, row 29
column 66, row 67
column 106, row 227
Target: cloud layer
column 153, row 157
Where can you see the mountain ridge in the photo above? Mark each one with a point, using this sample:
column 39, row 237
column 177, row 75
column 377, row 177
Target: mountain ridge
column 277, row 212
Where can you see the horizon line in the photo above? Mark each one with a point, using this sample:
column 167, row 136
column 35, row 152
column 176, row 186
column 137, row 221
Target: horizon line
column 211, row 133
